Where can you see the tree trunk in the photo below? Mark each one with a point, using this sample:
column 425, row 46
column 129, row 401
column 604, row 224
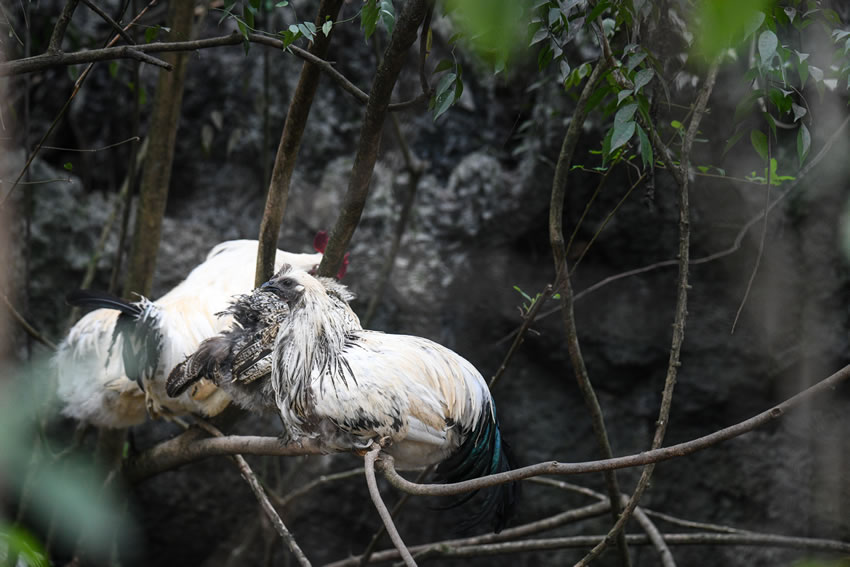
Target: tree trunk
column 156, row 176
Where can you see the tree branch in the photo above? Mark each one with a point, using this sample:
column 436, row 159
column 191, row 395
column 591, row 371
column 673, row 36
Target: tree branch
column 187, row 448
column 646, row 457
column 552, row 522
column 55, row 45
column 559, row 251
column 290, row 143
column 31, row 331
column 412, row 15
column 369, row 459
column 679, row 320
column 262, row 498
column 108, row 19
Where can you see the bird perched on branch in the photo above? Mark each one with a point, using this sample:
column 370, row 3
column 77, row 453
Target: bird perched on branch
column 120, row 346
column 348, row 387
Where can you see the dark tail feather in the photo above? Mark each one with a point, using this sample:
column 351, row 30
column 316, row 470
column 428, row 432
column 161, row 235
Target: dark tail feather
column 102, row 300
column 203, row 363
column 484, row 452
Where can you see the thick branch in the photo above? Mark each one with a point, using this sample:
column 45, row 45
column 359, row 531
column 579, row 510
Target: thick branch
column 187, row 448
column 58, row 35
column 156, row 177
column 412, row 15
column 290, row 143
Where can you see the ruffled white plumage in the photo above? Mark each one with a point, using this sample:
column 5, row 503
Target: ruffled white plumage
column 93, row 384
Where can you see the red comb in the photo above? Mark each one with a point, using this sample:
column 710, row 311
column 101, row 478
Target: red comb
column 320, row 242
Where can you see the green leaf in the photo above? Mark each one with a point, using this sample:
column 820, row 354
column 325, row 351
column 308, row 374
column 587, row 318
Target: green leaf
column 326, row 27
column 444, row 65
column 606, row 145
column 645, row 147
column 677, row 125
column 68, row 166
column 635, row 60
column 444, row 95
column 281, row 4
column 539, row 35
column 736, row 137
column 624, row 94
column 622, row 134
column 113, row 69
column 151, row 33
column 767, row 46
column 369, row 17
column 804, row 143
column 798, row 111
column 759, row 141
column 624, row 115
column 387, row 11
column 597, row 10
column 248, row 15
column 643, row 77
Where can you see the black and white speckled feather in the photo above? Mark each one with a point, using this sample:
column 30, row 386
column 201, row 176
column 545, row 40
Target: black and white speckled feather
column 239, row 359
column 349, row 387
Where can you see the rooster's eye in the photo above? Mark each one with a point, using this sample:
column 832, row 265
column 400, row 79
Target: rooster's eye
column 287, row 283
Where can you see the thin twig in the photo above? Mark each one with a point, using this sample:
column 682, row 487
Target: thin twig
column 262, row 498
column 763, row 237
column 559, row 252
column 545, row 544
column 372, row 482
column 108, row 19
column 77, row 85
column 527, row 320
column 187, row 448
column 31, row 331
column 286, row 500
column 537, row 526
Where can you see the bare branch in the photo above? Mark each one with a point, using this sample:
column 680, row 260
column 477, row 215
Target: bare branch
column 412, row 15
column 31, row 331
column 262, row 498
column 550, row 523
column 653, row 456
column 284, row 501
column 678, row 323
column 58, row 35
column 369, row 459
column 559, row 251
column 186, row 448
column 77, row 85
column 528, row 545
column 527, row 320
column 108, row 19
column 290, row 143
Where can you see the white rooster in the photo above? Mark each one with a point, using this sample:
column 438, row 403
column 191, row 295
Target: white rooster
column 350, row 387
column 115, row 349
